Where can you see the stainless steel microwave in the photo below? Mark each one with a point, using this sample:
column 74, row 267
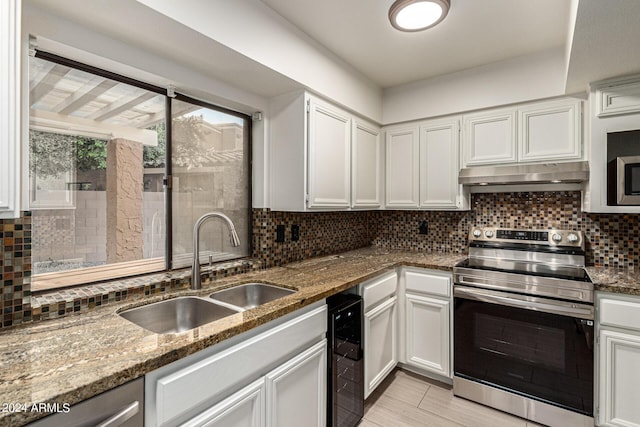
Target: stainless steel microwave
column 624, row 181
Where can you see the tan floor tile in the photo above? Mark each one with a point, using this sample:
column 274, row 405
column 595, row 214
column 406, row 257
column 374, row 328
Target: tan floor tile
column 442, row 402
column 390, row 412
column 403, row 386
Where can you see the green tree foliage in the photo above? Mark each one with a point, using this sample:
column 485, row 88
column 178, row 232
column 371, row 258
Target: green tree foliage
column 153, row 157
column 52, row 154
column 189, row 146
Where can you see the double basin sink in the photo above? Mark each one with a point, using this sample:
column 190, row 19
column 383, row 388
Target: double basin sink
column 184, row 313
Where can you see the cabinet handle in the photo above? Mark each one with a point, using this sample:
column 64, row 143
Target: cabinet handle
column 119, row 418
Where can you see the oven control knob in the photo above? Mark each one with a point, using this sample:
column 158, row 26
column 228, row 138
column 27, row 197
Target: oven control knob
column 556, row 237
column 477, row 233
column 488, row 233
column 572, row 238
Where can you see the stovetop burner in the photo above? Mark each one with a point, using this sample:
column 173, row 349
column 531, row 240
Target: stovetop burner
column 529, row 268
column 548, row 263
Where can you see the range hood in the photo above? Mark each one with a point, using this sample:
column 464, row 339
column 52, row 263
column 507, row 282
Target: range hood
column 544, row 173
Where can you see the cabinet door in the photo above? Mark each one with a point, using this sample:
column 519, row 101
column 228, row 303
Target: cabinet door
column 550, row 131
column 244, row 408
column 10, row 106
column 329, row 156
column 427, row 329
column 366, row 165
column 380, row 340
column 439, row 164
column 297, row 390
column 490, row 137
column 402, row 163
column 619, row 379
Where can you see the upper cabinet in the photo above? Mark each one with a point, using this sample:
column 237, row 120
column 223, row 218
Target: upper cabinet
column 490, row 137
column 10, row 105
column 440, row 163
column 537, row 132
column 329, row 146
column 615, row 132
column 322, row 157
column 423, row 161
column 402, row 161
column 550, row 131
column 366, row 165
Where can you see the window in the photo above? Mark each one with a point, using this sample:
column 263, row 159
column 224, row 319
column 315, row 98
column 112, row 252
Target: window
column 99, row 155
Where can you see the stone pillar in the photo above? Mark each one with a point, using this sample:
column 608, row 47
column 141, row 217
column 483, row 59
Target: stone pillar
column 124, row 201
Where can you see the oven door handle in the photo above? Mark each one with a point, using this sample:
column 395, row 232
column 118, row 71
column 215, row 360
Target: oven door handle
column 563, row 308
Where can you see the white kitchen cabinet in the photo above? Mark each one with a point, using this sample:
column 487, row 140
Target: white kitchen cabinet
column 366, row 165
column 380, row 302
column 550, row 131
column 422, row 165
column 329, row 148
column 427, row 317
column 427, row 339
column 614, row 107
column 440, row 164
column 490, row 137
column 402, row 167
column 296, row 391
column 380, row 338
column 204, row 387
column 322, row 157
column 618, row 358
column 244, row 408
column 10, row 105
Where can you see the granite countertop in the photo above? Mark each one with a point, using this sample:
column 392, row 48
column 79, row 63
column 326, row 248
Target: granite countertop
column 70, row 359
column 620, row 281
column 73, row 358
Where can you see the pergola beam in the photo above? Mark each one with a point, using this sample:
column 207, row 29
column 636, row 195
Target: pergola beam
column 47, row 83
column 84, row 95
column 120, row 106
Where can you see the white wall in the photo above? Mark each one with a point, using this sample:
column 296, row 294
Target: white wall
column 253, row 29
column 516, row 80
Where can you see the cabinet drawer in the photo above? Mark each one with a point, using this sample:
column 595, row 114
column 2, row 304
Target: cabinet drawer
column 433, row 283
column 623, row 314
column 378, row 289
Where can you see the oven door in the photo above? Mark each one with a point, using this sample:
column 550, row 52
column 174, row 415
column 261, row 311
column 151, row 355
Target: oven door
column 538, row 348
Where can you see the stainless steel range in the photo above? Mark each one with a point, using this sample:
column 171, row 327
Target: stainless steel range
column 523, row 325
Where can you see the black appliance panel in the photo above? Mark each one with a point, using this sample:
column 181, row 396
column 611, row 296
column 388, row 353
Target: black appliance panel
column 345, row 385
column 546, row 357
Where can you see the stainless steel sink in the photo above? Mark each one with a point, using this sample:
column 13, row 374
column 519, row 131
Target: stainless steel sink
column 177, row 314
column 250, row 295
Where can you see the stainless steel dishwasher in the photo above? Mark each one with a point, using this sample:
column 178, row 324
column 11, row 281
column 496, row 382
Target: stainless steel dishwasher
column 122, row 406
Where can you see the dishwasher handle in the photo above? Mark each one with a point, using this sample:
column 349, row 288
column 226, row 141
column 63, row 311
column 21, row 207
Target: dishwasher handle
column 121, row 416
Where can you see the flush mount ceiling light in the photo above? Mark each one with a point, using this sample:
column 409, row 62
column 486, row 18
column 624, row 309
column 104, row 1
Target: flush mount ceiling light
column 417, row 15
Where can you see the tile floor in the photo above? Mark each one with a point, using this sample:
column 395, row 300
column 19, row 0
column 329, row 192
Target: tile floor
column 408, row 400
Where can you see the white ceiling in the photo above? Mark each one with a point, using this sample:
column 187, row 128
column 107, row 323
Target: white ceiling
column 475, row 33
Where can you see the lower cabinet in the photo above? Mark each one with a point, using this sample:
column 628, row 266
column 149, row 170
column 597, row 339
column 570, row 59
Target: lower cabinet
column 380, row 341
column 618, row 360
column 427, row 320
column 296, row 391
column 271, row 377
column 427, row 333
column 243, row 408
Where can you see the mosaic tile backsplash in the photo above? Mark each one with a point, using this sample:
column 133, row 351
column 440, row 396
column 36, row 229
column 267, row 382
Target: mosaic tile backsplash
column 321, row 233
column 613, row 240
column 15, row 270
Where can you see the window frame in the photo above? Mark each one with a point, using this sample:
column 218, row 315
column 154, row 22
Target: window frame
column 86, row 276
